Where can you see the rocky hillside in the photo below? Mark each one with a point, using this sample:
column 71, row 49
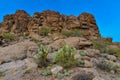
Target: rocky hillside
column 53, row 46
column 21, row 22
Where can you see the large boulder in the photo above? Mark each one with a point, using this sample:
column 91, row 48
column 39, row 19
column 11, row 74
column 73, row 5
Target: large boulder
column 18, row 51
column 16, row 69
column 76, row 42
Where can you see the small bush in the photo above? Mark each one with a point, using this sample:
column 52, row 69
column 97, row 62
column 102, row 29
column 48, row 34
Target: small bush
column 81, row 63
column 101, row 45
column 46, row 72
column 65, row 56
column 103, row 65
column 35, row 39
column 45, row 31
column 41, row 56
column 1, row 75
column 8, row 35
column 82, row 53
column 107, row 66
column 114, row 52
column 72, row 33
column 83, row 76
column 60, row 75
column 118, row 78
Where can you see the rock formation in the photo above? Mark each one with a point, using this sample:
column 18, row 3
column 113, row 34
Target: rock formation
column 15, row 23
column 88, row 24
column 22, row 22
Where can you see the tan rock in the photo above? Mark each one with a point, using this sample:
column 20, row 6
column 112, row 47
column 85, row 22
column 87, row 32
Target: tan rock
column 56, row 69
column 88, row 64
column 76, row 42
column 18, row 51
column 85, row 58
column 98, row 78
column 111, row 57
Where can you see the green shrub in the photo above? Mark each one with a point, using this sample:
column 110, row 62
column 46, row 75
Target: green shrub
column 8, row 35
column 82, row 53
column 72, row 33
column 101, row 45
column 118, row 78
column 35, row 39
column 46, row 72
column 1, row 75
column 45, row 31
column 104, row 55
column 103, row 65
column 108, row 66
column 114, row 52
column 65, row 56
column 117, row 53
column 81, row 63
column 60, row 75
column 41, row 56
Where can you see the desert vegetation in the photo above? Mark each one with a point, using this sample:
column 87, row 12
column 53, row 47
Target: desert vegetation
column 72, row 33
column 65, row 56
column 41, row 56
column 8, row 35
column 45, row 31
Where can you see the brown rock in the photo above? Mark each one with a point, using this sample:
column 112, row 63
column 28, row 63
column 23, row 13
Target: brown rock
column 113, row 47
column 46, row 19
column 22, row 22
column 16, row 23
column 88, row 23
column 88, row 64
column 72, row 22
column 109, row 39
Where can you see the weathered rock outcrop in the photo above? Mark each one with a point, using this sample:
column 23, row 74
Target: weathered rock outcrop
column 15, row 23
column 22, row 22
column 88, row 24
column 46, row 19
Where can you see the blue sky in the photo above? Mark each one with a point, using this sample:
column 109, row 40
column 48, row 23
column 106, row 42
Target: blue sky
column 106, row 12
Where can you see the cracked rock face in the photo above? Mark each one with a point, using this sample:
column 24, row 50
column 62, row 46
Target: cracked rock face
column 21, row 22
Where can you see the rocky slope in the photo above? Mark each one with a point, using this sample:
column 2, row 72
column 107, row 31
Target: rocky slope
column 20, row 37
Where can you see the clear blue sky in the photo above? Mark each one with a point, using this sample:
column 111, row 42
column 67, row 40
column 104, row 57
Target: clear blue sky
column 106, row 12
